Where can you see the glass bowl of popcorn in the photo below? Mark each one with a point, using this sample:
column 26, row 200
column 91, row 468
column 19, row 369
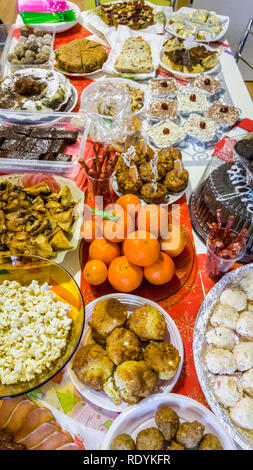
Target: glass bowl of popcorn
column 42, row 318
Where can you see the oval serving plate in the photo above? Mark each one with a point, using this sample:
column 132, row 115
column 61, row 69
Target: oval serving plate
column 242, row 437
column 185, row 10
column 78, row 197
column 170, row 198
column 131, row 302
column 176, row 73
column 142, row 416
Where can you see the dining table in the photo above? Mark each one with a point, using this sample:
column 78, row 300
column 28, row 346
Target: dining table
column 88, row 422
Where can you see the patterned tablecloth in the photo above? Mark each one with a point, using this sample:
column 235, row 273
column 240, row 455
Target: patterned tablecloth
column 60, row 393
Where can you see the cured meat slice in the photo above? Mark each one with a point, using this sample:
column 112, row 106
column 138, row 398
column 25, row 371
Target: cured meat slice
column 32, row 180
column 33, row 420
column 70, row 446
column 19, row 415
column 39, row 434
column 57, row 439
column 7, row 408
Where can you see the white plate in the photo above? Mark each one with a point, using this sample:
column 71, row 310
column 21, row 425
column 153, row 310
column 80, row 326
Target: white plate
column 170, row 198
column 72, row 74
column 186, row 10
column 131, row 302
column 21, row 118
column 119, row 80
column 78, row 197
column 59, row 27
column 142, row 416
column 187, row 75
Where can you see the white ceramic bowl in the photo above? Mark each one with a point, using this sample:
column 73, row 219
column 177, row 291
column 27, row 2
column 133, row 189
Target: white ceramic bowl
column 60, row 27
column 142, row 416
column 131, row 302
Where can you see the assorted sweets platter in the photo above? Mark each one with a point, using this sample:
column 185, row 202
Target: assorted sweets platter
column 69, row 137
column 200, row 25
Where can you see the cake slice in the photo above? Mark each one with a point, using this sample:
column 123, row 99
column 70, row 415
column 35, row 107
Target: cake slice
column 93, row 55
column 135, row 57
column 69, row 57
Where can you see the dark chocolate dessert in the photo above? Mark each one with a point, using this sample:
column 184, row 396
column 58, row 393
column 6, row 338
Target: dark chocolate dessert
column 244, row 148
column 32, row 143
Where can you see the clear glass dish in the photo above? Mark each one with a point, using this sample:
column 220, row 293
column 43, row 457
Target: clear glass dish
column 24, row 269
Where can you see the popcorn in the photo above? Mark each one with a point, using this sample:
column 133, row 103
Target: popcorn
column 34, row 327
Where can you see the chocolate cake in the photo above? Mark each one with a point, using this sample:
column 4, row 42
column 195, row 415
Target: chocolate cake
column 31, row 143
column 226, row 188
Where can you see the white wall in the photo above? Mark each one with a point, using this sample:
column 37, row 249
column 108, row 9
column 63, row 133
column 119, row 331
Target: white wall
column 239, row 12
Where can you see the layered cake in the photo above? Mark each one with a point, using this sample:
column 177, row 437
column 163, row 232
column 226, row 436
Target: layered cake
column 225, row 188
column 244, row 154
column 35, row 90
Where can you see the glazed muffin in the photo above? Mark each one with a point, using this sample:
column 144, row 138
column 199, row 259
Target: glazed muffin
column 163, row 358
column 147, row 323
column 122, row 345
column 92, row 366
column 135, row 380
column 107, row 315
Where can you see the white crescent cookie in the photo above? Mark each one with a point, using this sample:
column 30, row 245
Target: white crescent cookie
column 220, row 361
column 242, row 413
column 243, row 355
column 227, row 390
column 247, row 285
column 247, row 382
column 221, row 337
column 236, row 298
column 224, row 315
column 245, row 325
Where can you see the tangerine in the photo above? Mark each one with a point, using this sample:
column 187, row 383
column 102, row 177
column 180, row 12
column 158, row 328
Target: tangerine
column 104, row 250
column 174, row 243
column 141, row 248
column 130, row 203
column 123, row 275
column 116, row 230
column 90, row 230
column 95, row 272
column 161, row 271
column 154, row 219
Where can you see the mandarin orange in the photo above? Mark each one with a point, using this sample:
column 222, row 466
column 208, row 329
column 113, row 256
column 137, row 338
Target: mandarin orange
column 104, row 250
column 130, row 203
column 174, row 243
column 95, row 272
column 141, row 248
column 154, row 219
column 123, row 275
column 161, row 271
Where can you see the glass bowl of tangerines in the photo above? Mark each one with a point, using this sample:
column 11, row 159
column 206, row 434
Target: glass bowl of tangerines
column 131, row 247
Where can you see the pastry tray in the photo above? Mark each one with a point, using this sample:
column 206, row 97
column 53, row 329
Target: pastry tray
column 70, row 121
column 11, row 42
